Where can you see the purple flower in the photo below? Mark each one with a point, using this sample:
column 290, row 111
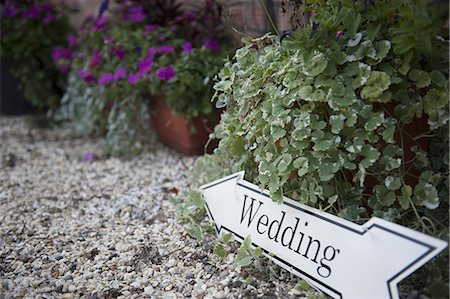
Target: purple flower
column 31, row 13
column 134, row 78
column 49, row 18
column 165, row 73
column 135, row 14
column 120, row 52
column 254, row 46
column 59, row 53
column 150, row 28
column 46, row 6
column 10, row 10
column 88, row 157
column 166, row 49
column 107, row 40
column 120, row 74
column 160, row 38
column 105, row 79
column 151, row 53
column 64, row 69
column 100, row 24
column 187, row 47
column 212, row 45
column 144, row 65
column 72, row 40
column 86, row 76
column 96, row 59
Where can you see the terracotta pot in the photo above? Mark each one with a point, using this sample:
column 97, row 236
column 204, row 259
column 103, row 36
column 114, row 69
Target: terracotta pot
column 174, row 131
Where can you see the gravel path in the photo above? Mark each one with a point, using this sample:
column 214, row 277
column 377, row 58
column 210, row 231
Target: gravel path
column 105, row 228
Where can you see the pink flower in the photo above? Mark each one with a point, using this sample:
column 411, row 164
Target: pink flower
column 166, row 49
column 187, row 47
column 120, row 52
column 120, row 74
column 340, row 34
column 165, row 73
column 105, row 79
column 212, row 45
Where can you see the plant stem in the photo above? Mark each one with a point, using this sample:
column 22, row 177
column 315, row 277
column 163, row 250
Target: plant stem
column 263, row 4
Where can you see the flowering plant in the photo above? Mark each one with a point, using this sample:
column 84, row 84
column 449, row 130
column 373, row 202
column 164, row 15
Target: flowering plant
column 29, row 32
column 119, row 64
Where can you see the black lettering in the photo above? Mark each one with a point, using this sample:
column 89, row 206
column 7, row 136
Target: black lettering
column 300, row 243
column 325, row 270
column 292, row 230
column 311, row 241
column 260, row 222
column 280, row 223
column 250, row 208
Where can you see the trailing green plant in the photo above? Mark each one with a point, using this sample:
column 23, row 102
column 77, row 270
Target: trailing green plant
column 29, row 32
column 326, row 115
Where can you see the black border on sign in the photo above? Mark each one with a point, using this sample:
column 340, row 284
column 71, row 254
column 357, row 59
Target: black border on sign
column 430, row 248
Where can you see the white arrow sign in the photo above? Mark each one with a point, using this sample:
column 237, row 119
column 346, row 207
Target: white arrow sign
column 343, row 259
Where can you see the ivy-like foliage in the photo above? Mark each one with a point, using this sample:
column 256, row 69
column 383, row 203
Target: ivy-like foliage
column 347, row 115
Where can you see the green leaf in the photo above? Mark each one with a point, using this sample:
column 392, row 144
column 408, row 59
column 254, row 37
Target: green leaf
column 371, row 156
column 219, row 250
column 227, row 237
column 438, row 78
column 355, row 41
column 382, row 48
column 337, row 123
column 195, row 231
column 316, row 64
column 374, row 122
column 421, row 78
column 284, row 163
column 302, row 164
column 392, row 183
column 377, row 83
column 245, row 261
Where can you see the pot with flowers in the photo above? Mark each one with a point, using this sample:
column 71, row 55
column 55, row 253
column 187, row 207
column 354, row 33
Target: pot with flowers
column 30, row 30
column 119, row 64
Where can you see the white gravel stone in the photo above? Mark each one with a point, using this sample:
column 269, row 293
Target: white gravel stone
column 104, row 228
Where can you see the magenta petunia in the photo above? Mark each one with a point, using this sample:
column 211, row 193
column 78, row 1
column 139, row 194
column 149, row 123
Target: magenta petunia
column 120, row 52
column 100, row 24
column 86, row 76
column 59, row 53
column 135, row 14
column 49, row 18
column 144, row 65
column 119, row 74
column 64, row 69
column 212, row 45
column 187, row 47
column 10, row 10
column 105, row 79
column 134, row 78
column 165, row 73
column 151, row 53
column 33, row 12
column 96, row 59
column 150, row 28
column 72, row 40
column 166, row 49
